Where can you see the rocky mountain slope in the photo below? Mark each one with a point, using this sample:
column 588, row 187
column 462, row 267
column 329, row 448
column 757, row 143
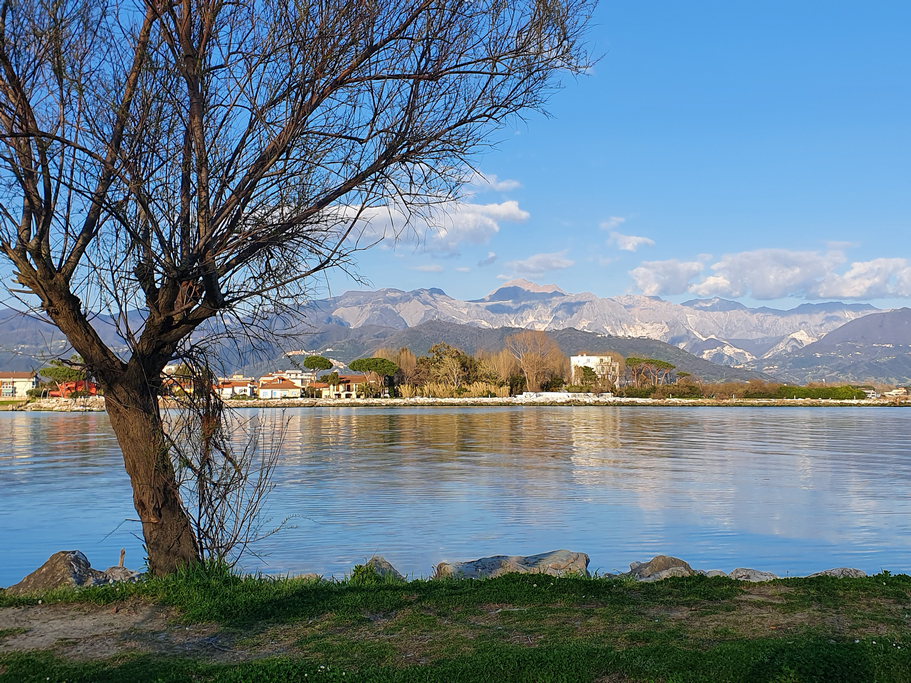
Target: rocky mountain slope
column 810, row 342
column 872, row 349
column 346, row 344
column 717, row 330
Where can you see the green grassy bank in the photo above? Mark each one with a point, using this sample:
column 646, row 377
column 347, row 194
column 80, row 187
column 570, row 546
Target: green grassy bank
column 514, row 628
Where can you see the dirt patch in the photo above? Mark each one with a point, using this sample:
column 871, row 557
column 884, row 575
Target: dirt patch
column 92, row 632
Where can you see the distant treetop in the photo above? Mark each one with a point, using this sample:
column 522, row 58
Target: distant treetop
column 317, row 363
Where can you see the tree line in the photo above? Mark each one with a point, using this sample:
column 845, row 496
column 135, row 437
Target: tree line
column 532, row 361
column 528, row 361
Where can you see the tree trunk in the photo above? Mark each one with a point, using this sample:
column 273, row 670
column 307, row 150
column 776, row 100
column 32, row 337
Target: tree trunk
column 132, row 406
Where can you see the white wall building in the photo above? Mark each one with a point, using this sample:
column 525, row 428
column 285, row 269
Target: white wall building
column 15, row 384
column 606, row 367
column 299, row 378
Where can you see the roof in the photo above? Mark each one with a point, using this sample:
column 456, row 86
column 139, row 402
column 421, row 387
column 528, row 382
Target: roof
column 279, row 384
column 17, row 375
column 319, row 385
column 234, row 383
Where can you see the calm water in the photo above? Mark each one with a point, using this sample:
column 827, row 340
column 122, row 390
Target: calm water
column 788, row 490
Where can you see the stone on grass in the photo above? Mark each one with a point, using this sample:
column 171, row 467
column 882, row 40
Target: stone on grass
column 660, row 567
column 383, row 568
column 841, row 573
column 119, row 574
column 715, row 572
column 66, row 568
column 556, row 563
column 753, row 575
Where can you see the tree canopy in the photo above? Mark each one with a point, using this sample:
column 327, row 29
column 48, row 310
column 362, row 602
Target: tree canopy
column 317, row 363
column 378, row 366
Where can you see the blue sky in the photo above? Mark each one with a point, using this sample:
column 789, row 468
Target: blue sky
column 755, row 151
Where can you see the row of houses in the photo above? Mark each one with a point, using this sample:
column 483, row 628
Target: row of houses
column 290, row 384
column 16, row 385
column 281, row 384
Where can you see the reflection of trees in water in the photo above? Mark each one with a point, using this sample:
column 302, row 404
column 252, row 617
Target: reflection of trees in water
column 741, row 468
column 595, row 431
column 517, row 452
column 78, row 437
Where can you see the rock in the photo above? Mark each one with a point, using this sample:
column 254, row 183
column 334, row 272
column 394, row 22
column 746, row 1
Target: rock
column 753, row 575
column 556, row 563
column 841, row 573
column 309, row 576
column 660, row 567
column 66, row 568
column 715, row 572
column 383, row 568
column 120, row 575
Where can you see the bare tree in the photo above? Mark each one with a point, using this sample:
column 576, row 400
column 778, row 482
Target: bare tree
column 404, row 359
column 538, row 356
column 501, row 365
column 199, row 161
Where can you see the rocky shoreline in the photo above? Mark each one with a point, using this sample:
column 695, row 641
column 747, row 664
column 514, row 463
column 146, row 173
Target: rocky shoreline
column 71, row 568
column 96, row 403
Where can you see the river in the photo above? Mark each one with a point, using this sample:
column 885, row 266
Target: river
column 788, row 490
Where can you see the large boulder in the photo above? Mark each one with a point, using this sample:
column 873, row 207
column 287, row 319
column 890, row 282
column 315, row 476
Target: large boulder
column 556, row 563
column 68, row 568
column 660, row 567
column 753, row 575
column 841, row 573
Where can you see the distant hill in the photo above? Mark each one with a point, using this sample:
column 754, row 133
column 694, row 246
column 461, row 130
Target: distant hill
column 875, row 348
column 751, row 341
column 346, row 344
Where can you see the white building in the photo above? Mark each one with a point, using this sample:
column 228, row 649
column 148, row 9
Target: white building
column 607, row 367
column 236, row 385
column 15, row 384
column 300, row 378
column 278, row 388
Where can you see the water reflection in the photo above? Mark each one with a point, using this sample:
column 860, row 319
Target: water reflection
column 789, row 490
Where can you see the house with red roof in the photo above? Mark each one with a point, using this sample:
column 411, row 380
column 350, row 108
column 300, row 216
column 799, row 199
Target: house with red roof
column 228, row 388
column 347, row 387
column 16, row 384
column 278, row 388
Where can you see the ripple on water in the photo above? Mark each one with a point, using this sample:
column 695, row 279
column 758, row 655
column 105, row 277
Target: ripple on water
column 790, row 490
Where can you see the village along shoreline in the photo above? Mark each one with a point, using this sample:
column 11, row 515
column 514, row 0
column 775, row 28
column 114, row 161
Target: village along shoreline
column 96, row 403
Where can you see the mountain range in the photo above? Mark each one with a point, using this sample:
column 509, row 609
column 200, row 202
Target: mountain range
column 832, row 341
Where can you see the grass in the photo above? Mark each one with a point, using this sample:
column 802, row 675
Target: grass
column 519, row 628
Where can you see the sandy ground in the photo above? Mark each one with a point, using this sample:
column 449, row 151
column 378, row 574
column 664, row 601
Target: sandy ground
column 92, row 632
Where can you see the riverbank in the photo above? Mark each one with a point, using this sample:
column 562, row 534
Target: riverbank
column 96, row 403
column 214, row 626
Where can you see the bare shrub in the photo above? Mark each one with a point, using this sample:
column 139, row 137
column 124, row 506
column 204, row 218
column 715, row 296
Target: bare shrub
column 224, row 466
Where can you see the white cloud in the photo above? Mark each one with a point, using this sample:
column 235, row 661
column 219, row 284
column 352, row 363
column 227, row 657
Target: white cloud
column 882, row 277
column 540, row 264
column 779, row 273
column 491, row 257
column 665, row 277
column 629, row 242
column 489, row 181
column 429, row 269
column 451, row 224
column 463, row 270
column 612, row 222
column 768, row 273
